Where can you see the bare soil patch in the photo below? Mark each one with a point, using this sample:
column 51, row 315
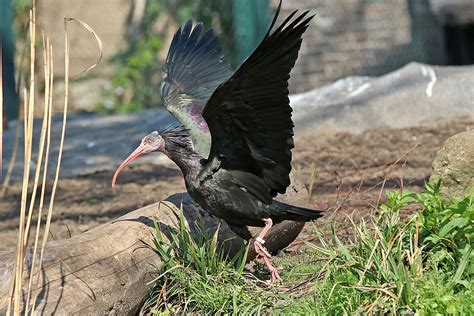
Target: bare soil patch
column 339, row 172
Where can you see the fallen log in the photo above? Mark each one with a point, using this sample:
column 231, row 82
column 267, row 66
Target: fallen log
column 106, row 269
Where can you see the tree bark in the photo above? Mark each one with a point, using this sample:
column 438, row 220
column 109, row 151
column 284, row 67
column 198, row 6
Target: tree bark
column 106, row 269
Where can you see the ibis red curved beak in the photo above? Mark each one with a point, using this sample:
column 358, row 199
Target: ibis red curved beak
column 135, row 154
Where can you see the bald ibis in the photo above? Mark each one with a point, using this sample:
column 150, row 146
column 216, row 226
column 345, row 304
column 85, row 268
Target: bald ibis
column 241, row 121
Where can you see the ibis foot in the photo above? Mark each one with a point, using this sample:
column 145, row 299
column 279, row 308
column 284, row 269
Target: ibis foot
column 275, row 275
column 263, row 252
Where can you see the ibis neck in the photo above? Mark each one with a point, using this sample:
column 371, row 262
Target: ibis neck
column 186, row 158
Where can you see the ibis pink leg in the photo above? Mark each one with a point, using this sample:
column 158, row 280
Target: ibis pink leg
column 262, row 251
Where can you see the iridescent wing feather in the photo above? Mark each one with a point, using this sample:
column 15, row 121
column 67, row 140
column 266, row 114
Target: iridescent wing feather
column 194, row 67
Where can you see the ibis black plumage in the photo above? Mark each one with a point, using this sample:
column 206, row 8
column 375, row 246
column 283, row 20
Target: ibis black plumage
column 234, row 144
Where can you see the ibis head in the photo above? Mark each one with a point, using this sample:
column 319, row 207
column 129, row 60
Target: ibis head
column 153, row 142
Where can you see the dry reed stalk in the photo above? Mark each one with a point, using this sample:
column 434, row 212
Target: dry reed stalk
column 28, row 133
column 45, row 134
column 28, row 118
column 61, row 145
column 14, row 289
column 97, row 38
column 39, row 163
column 43, row 188
column 45, row 139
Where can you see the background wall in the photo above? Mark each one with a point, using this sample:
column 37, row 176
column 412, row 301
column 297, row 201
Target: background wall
column 363, row 37
column 347, row 37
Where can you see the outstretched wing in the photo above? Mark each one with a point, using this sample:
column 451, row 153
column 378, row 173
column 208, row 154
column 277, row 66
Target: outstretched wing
column 194, row 67
column 249, row 115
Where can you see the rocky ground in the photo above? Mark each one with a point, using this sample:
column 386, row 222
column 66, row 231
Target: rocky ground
column 340, row 172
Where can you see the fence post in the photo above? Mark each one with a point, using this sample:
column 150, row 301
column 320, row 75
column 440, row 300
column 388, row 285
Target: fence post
column 10, row 98
column 251, row 20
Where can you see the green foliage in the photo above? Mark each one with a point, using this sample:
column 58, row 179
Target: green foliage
column 448, row 229
column 421, row 265
column 197, row 275
column 134, row 85
column 392, row 266
column 20, row 7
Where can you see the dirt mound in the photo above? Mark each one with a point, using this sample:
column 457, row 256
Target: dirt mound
column 342, row 173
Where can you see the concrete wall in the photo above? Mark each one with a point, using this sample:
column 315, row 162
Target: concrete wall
column 108, row 18
column 347, row 37
column 361, row 37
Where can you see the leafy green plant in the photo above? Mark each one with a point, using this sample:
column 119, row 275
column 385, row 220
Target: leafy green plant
column 134, row 85
column 448, row 229
column 377, row 264
column 392, row 265
column 196, row 274
column 419, row 265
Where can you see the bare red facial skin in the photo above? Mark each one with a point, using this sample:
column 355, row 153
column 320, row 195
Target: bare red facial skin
column 135, row 154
